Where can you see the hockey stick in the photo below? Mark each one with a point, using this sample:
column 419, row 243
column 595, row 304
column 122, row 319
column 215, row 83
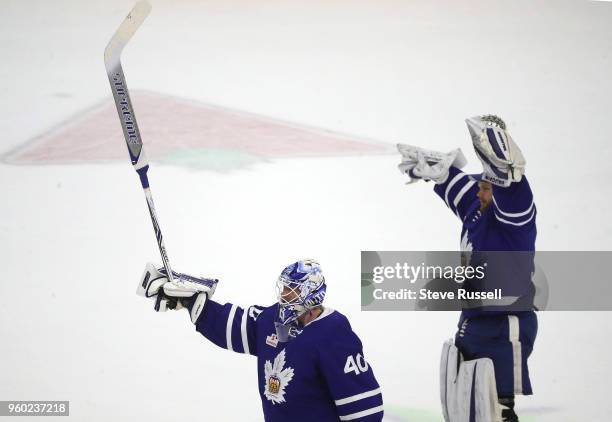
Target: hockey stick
column 112, row 61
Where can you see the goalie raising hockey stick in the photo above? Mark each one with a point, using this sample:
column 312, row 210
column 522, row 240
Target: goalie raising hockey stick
column 112, row 61
column 311, row 365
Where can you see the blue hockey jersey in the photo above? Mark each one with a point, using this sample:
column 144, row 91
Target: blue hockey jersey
column 507, row 225
column 320, row 375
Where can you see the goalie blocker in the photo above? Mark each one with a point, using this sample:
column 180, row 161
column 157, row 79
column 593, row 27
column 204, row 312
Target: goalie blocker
column 184, row 291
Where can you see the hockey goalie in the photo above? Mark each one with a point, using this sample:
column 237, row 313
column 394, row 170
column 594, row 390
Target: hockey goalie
column 311, row 365
column 486, row 365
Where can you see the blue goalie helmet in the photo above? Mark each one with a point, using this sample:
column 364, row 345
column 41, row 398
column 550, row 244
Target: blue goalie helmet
column 300, row 288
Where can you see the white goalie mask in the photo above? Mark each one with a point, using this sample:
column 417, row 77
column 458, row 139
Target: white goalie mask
column 300, row 288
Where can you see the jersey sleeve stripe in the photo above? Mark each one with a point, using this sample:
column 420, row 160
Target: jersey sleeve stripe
column 450, row 185
column 228, row 328
column 362, row 414
column 521, row 223
column 357, row 397
column 462, row 192
column 243, row 332
column 513, row 214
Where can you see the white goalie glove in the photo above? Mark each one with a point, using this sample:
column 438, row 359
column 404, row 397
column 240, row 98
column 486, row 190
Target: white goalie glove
column 420, row 163
column 184, row 292
column 502, row 160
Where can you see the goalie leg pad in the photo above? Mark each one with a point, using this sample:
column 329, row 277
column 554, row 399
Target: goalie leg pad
column 467, row 388
column 508, row 341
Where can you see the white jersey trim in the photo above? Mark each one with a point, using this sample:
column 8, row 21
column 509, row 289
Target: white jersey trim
column 243, row 333
column 513, row 214
column 462, row 192
column 361, row 414
column 356, row 397
column 450, row 185
column 522, row 223
column 517, row 361
column 228, row 328
column 326, row 312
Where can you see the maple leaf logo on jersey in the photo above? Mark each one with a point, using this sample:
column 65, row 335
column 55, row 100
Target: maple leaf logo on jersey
column 276, row 379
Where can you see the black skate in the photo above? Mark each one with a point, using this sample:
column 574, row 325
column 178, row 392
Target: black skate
column 508, row 415
column 507, row 405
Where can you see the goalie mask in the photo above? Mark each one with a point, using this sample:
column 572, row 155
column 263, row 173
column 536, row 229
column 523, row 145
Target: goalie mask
column 300, row 288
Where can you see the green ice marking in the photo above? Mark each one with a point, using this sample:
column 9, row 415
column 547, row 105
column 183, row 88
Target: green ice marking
column 366, row 289
column 211, row 159
column 404, row 414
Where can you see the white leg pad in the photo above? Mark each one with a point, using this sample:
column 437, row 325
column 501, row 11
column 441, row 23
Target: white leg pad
column 467, row 388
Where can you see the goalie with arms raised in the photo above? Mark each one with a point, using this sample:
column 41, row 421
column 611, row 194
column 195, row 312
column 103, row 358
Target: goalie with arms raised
column 311, row 365
column 497, row 213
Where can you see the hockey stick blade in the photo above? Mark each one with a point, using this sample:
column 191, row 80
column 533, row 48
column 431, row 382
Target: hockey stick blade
column 112, row 62
column 124, row 33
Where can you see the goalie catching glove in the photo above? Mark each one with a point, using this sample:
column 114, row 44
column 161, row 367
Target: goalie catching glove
column 184, row 292
column 502, row 160
column 420, row 163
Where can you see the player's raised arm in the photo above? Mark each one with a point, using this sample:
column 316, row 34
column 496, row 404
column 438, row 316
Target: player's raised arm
column 458, row 191
column 503, row 181
column 228, row 326
column 350, row 378
column 456, row 188
column 513, row 205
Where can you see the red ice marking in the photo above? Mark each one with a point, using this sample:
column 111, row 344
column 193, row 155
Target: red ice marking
column 170, row 125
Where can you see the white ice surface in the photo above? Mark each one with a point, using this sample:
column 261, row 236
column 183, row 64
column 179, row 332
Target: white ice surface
column 75, row 238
